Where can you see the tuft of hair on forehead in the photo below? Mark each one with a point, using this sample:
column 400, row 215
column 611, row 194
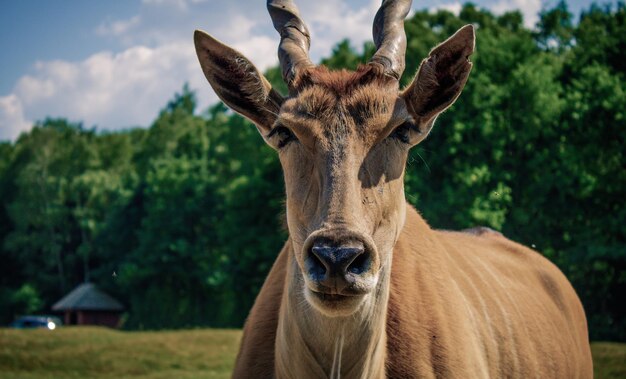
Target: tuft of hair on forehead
column 364, row 94
column 343, row 82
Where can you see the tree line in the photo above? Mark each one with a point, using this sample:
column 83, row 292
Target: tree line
column 181, row 221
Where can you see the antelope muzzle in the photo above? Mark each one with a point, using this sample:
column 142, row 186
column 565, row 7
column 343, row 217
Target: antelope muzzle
column 340, row 270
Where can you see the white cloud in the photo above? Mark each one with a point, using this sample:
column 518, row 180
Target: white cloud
column 261, row 50
column 454, row 8
column 12, row 121
column 116, row 28
column 127, row 88
column 180, row 4
column 164, row 21
column 529, row 8
column 106, row 89
column 336, row 21
column 237, row 23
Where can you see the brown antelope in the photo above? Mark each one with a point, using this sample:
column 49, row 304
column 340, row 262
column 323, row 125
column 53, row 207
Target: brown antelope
column 363, row 287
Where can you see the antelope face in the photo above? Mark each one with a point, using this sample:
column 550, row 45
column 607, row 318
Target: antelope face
column 343, row 139
column 343, row 142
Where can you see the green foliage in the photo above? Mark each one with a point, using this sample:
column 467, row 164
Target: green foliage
column 26, row 299
column 534, row 148
column 183, row 220
column 555, row 28
column 343, row 56
column 22, row 301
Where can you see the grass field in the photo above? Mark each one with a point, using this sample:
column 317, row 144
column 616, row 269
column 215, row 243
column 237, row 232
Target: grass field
column 99, row 353
column 89, row 352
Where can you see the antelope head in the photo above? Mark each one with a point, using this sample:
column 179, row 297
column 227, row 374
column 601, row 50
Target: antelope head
column 343, row 139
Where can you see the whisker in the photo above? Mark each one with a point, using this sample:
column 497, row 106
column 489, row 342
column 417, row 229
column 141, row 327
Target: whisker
column 270, row 111
column 423, row 160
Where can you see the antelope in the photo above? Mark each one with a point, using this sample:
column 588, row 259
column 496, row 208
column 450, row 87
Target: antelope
column 363, row 287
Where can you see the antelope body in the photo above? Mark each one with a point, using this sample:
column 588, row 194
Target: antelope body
column 363, row 287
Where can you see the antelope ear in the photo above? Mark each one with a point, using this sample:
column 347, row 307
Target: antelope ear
column 237, row 82
column 440, row 79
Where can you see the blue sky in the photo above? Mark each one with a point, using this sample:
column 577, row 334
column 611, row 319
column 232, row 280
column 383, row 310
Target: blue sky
column 114, row 64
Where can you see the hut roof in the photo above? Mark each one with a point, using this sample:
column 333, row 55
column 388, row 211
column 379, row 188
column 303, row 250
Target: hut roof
column 87, row 297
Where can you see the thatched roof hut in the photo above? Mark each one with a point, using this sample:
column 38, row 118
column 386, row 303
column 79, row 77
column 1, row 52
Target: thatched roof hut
column 87, row 305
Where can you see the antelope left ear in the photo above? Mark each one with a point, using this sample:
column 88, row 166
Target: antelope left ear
column 440, row 79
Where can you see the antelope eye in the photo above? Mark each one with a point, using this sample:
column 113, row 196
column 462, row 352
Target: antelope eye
column 403, row 132
column 283, row 134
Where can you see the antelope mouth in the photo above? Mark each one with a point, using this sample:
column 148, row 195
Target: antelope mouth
column 334, row 304
column 333, row 297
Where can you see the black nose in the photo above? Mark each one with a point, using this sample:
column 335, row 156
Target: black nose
column 328, row 261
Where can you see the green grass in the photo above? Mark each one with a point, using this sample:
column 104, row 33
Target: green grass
column 99, row 353
column 609, row 360
column 89, row 352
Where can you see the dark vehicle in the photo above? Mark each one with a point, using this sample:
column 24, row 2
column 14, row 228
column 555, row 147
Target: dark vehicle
column 33, row 322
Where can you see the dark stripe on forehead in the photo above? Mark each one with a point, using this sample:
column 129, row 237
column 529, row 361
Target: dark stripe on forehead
column 367, row 103
column 316, row 103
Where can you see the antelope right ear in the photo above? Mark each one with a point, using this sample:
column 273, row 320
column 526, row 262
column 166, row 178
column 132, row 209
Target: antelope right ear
column 237, row 82
column 440, row 79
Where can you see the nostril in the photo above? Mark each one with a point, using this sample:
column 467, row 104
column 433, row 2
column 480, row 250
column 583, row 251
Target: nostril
column 316, row 262
column 337, row 260
column 360, row 264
